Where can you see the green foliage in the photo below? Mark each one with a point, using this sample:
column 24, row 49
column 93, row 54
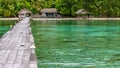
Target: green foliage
column 67, row 8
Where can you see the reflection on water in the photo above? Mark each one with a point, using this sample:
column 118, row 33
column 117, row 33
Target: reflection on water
column 77, row 44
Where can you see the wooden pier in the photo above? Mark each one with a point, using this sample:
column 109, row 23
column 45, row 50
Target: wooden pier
column 15, row 47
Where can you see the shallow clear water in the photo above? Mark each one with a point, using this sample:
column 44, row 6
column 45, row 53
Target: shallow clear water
column 77, row 44
column 5, row 26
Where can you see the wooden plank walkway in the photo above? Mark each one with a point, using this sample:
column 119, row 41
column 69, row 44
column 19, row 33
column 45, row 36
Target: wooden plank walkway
column 15, row 51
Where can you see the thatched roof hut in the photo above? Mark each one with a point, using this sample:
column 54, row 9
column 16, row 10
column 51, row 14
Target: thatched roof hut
column 49, row 12
column 81, row 11
column 24, row 13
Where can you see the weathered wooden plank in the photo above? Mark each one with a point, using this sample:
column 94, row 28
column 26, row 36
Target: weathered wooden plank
column 24, row 65
column 4, row 41
column 6, row 44
column 7, row 66
column 33, row 66
column 2, row 52
column 19, row 57
column 12, row 57
column 0, row 44
column 19, row 42
column 26, row 56
column 12, row 54
column 15, row 43
column 12, row 43
column 16, row 65
column 1, row 65
column 5, row 56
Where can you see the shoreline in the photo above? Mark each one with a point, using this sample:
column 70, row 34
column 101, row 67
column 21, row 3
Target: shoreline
column 76, row 18
column 8, row 18
column 64, row 18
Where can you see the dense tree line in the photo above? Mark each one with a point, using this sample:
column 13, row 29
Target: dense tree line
column 97, row 8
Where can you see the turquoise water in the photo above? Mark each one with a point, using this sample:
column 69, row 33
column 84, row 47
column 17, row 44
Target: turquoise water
column 5, row 26
column 77, row 44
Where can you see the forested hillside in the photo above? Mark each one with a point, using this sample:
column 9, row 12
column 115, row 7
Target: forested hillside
column 97, row 8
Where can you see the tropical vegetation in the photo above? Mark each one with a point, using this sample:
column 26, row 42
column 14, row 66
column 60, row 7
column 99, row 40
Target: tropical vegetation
column 67, row 8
